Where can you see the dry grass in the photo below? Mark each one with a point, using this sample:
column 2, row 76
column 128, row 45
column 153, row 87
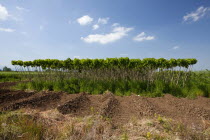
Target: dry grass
column 32, row 124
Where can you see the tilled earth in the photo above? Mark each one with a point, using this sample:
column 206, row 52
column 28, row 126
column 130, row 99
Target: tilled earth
column 120, row 109
column 191, row 112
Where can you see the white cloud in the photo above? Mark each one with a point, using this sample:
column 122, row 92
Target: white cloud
column 196, row 15
column 84, row 20
column 7, row 30
column 115, row 24
column 142, row 37
column 95, row 27
column 116, row 34
column 3, row 13
column 176, row 47
column 103, row 20
column 21, row 8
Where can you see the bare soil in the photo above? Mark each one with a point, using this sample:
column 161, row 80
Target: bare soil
column 191, row 112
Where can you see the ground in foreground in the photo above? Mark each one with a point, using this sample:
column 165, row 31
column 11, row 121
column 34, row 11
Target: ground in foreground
column 58, row 115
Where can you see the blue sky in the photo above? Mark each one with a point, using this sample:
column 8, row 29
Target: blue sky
column 58, row 29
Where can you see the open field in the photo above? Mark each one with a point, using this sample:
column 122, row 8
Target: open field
column 9, row 76
column 122, row 76
column 114, row 99
column 104, row 70
column 59, row 115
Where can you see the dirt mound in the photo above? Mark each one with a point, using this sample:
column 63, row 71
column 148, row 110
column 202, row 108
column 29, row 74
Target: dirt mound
column 39, row 100
column 4, row 91
column 74, row 105
column 109, row 105
column 182, row 107
column 119, row 109
column 10, row 96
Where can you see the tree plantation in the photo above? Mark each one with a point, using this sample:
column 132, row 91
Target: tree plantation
column 122, row 76
column 148, row 69
column 108, row 63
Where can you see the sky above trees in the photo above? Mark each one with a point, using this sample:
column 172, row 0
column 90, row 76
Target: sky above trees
column 58, row 29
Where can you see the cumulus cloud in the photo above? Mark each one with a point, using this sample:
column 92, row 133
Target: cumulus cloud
column 116, row 34
column 7, row 30
column 176, row 47
column 142, row 37
column 3, row 13
column 115, row 24
column 95, row 27
column 84, row 20
column 103, row 20
column 196, row 15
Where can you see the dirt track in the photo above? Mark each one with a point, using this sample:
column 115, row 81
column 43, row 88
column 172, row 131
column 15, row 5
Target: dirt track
column 120, row 109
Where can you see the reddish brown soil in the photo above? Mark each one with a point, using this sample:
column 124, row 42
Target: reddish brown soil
column 120, row 109
column 109, row 105
column 74, row 105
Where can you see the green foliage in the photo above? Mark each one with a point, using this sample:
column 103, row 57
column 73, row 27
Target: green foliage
column 9, row 76
column 6, row 69
column 122, row 76
column 120, row 87
column 111, row 63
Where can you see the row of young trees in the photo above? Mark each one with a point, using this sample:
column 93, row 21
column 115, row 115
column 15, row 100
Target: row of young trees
column 148, row 70
column 108, row 63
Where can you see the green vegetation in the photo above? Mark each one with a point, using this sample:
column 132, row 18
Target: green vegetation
column 10, row 76
column 121, row 87
column 6, row 69
column 122, row 76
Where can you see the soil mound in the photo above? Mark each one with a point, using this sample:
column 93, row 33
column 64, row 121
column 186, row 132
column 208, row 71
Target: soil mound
column 12, row 96
column 119, row 109
column 39, row 100
column 109, row 105
column 4, row 91
column 182, row 107
column 74, row 105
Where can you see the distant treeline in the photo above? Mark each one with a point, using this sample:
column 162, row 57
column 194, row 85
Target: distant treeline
column 6, row 69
